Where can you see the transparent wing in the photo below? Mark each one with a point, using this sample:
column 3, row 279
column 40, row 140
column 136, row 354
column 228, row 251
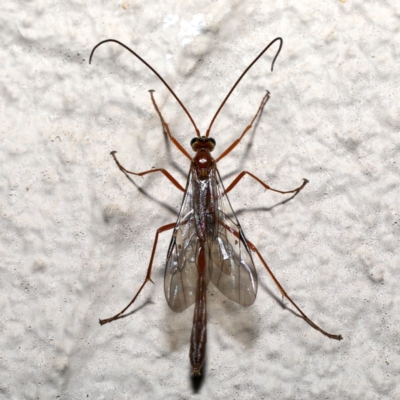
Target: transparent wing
column 181, row 273
column 232, row 269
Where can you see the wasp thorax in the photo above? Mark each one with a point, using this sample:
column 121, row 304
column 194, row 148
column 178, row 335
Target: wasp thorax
column 202, row 142
column 203, row 160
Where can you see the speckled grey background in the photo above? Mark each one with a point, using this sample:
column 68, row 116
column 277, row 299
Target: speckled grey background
column 76, row 235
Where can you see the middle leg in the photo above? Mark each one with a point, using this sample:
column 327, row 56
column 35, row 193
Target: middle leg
column 165, row 172
column 243, row 173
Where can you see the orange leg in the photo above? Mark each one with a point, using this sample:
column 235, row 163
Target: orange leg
column 236, row 142
column 148, row 275
column 166, row 173
column 166, row 127
column 284, row 294
column 243, row 173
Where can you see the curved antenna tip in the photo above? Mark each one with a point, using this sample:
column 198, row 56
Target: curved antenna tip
column 244, row 73
column 153, row 70
column 277, row 53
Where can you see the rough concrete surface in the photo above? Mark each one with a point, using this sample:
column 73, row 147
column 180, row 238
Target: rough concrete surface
column 76, row 234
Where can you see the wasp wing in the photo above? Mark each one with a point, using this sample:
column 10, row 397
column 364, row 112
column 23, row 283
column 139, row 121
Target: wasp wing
column 229, row 263
column 181, row 272
column 232, row 269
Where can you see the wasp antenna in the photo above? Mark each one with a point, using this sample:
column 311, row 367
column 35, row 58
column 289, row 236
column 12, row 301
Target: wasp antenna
column 243, row 74
column 154, row 71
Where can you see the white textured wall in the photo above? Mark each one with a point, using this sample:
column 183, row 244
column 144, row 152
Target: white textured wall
column 76, row 235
